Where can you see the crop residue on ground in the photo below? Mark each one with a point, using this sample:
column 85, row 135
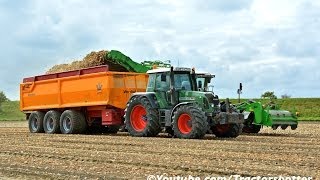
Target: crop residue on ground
column 269, row 153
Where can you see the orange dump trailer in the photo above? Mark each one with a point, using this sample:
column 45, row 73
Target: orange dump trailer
column 74, row 101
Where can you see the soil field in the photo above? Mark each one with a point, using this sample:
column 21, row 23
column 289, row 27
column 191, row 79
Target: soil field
column 270, row 153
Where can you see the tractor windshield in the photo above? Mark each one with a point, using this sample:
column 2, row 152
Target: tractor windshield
column 182, row 82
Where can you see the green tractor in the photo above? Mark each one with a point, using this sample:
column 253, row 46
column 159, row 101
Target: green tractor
column 255, row 114
column 173, row 103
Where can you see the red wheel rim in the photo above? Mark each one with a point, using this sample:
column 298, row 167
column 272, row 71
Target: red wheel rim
column 184, row 123
column 138, row 118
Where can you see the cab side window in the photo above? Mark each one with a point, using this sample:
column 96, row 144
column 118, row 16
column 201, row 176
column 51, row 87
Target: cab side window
column 151, row 82
column 163, row 82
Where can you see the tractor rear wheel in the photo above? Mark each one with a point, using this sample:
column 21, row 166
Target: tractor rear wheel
column 227, row 130
column 72, row 122
column 141, row 119
column 189, row 122
column 51, row 122
column 35, row 122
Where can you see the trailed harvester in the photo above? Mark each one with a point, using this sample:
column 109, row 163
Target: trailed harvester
column 256, row 115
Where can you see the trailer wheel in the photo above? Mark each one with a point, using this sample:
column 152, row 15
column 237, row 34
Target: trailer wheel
column 141, row 119
column 35, row 122
column 72, row 122
column 227, row 130
column 189, row 122
column 51, row 122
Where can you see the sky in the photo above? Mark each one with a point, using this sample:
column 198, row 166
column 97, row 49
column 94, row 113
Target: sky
column 267, row 45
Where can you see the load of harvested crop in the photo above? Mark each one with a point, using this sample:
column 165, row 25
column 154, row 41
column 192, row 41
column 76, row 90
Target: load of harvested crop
column 90, row 60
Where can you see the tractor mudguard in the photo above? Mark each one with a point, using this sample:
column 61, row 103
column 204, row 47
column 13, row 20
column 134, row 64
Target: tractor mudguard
column 150, row 95
column 168, row 119
column 178, row 105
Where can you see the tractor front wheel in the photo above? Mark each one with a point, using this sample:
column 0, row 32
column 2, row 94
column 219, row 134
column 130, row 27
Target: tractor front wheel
column 189, row 122
column 141, row 119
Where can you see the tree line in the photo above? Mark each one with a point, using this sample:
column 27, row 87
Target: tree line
column 3, row 98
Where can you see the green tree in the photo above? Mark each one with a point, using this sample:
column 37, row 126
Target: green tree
column 3, row 98
column 269, row 94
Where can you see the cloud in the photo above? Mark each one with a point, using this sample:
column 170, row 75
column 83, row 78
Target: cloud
column 266, row 45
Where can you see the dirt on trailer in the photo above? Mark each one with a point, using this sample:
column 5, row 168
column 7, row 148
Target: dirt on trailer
column 90, row 60
column 270, row 153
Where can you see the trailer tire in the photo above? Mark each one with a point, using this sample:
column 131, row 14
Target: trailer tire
column 227, row 130
column 72, row 122
column 35, row 122
column 141, row 119
column 189, row 122
column 51, row 122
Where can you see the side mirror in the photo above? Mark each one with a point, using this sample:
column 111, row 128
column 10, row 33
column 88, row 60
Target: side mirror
column 163, row 77
column 199, row 84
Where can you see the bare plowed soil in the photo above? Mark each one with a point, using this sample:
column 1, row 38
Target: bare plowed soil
column 270, row 153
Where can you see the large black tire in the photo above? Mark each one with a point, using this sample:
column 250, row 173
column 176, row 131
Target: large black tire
column 141, row 119
column 51, row 122
column 72, row 122
column 35, row 122
column 189, row 122
column 227, row 130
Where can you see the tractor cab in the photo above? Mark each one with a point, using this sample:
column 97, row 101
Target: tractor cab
column 171, row 84
column 159, row 79
column 203, row 81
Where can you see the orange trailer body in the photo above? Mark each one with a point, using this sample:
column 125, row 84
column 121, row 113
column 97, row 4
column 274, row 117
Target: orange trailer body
column 96, row 90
